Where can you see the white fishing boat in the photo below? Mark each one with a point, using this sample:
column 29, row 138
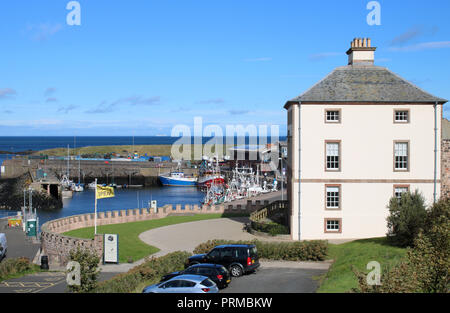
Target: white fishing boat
column 66, row 182
column 91, row 185
column 244, row 183
column 77, row 187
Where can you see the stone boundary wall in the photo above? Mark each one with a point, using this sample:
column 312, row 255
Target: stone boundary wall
column 57, row 246
column 445, row 168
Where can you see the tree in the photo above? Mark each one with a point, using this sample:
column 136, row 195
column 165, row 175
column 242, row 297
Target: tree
column 89, row 271
column 427, row 264
column 407, row 217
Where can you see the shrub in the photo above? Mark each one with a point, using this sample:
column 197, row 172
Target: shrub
column 149, row 272
column 13, row 267
column 407, row 217
column 270, row 228
column 427, row 267
column 88, row 261
column 292, row 251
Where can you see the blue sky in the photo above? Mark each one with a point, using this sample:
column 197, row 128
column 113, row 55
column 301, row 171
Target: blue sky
column 139, row 67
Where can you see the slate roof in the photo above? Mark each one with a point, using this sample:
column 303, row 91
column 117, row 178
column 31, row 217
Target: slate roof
column 365, row 83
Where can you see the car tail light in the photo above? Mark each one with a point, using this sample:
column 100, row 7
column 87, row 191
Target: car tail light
column 219, row 277
column 205, row 289
column 249, row 261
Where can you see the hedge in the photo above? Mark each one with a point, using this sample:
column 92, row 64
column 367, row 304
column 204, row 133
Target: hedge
column 315, row 250
column 10, row 268
column 270, row 228
column 150, row 271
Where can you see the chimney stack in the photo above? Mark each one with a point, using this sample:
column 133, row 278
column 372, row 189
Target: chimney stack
column 361, row 52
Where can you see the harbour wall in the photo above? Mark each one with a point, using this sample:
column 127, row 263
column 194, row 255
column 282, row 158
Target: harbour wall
column 119, row 172
column 58, row 246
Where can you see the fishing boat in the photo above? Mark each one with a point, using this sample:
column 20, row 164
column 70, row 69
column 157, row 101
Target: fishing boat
column 177, row 179
column 77, row 187
column 91, row 185
column 210, row 173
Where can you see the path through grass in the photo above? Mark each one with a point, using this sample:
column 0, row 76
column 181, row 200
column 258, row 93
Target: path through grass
column 130, row 246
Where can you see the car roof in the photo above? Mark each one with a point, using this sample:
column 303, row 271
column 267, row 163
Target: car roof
column 209, row 265
column 234, row 246
column 194, row 278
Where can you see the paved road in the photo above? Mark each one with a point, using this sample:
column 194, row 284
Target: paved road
column 18, row 244
column 276, row 280
column 46, row 282
column 186, row 236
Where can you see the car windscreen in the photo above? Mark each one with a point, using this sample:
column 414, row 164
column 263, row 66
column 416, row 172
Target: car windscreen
column 222, row 270
column 207, row 282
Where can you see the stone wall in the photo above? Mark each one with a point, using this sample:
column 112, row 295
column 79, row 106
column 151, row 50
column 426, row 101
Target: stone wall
column 57, row 246
column 445, row 168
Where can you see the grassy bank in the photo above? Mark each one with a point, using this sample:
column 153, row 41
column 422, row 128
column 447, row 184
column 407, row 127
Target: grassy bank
column 153, row 150
column 130, row 246
column 340, row 277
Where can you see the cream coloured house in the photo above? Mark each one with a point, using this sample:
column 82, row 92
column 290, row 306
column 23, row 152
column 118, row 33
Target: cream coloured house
column 355, row 139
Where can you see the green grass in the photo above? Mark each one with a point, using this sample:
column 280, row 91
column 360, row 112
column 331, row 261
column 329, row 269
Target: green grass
column 130, row 246
column 340, row 277
column 153, row 150
column 13, row 272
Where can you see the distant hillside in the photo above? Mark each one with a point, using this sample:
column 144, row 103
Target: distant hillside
column 151, row 150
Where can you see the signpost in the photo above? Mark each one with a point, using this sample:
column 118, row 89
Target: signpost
column 111, row 248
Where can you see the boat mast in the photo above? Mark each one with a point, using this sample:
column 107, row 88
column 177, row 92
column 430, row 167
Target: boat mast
column 68, row 157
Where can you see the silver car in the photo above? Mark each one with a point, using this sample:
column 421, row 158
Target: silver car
column 184, row 284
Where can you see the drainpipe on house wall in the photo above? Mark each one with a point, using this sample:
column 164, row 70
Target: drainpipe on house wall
column 299, row 166
column 435, row 151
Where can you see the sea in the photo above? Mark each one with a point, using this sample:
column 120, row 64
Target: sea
column 83, row 202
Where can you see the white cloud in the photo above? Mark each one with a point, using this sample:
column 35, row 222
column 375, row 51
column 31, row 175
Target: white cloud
column 422, row 46
column 43, row 31
column 6, row 92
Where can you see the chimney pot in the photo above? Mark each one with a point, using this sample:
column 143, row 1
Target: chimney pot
column 361, row 51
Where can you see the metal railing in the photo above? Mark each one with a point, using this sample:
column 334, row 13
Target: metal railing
column 269, row 210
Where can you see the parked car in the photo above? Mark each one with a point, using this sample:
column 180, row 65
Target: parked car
column 216, row 272
column 238, row 259
column 184, row 284
column 3, row 246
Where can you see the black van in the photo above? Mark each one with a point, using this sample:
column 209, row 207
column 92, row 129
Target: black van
column 238, row 259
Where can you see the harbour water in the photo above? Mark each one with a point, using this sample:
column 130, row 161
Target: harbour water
column 125, row 199
column 83, row 202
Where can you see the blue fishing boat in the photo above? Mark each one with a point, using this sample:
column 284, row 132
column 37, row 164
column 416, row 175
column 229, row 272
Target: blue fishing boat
column 177, row 179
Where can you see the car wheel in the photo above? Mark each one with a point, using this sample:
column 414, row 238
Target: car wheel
column 236, row 271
